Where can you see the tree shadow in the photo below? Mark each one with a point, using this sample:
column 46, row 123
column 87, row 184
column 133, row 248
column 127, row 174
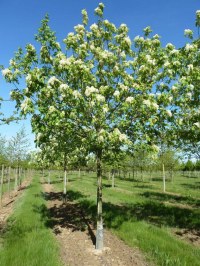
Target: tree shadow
column 144, row 186
column 191, row 186
column 66, row 215
column 79, row 213
column 190, row 176
column 158, row 196
column 56, row 181
column 153, row 212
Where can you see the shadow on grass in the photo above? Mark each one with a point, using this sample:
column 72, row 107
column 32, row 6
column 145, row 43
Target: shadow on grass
column 158, row 196
column 144, row 186
column 190, row 176
column 151, row 211
column 192, row 186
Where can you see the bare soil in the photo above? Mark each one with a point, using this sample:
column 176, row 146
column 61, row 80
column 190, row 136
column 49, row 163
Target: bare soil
column 8, row 201
column 76, row 236
column 189, row 235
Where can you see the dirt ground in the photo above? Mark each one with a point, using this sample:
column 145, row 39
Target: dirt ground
column 8, row 202
column 189, row 235
column 76, row 237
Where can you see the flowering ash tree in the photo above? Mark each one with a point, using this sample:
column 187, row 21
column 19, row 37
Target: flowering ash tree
column 108, row 90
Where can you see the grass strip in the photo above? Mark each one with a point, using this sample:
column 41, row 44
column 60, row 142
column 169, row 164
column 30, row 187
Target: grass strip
column 27, row 240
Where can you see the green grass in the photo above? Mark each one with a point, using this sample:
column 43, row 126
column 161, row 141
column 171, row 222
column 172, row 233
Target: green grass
column 27, row 240
column 143, row 216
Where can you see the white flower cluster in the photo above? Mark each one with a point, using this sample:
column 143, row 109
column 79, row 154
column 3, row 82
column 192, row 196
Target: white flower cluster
column 150, row 60
column 63, row 87
column 169, row 113
column 188, row 33
column 122, row 137
column 127, row 41
column 189, row 95
column 123, row 87
column 139, row 39
column 90, row 90
column 30, row 48
column 129, row 99
column 6, row 72
column 190, row 67
column 197, row 124
column 100, row 98
column 105, row 109
column 52, row 81
column 190, row 47
column 79, row 29
column 116, row 93
column 52, row 109
column 85, row 16
column 26, row 104
column 94, row 27
column 155, row 148
column 28, row 79
column 99, row 9
column 123, row 27
column 76, row 94
column 170, row 46
column 65, row 62
column 151, row 104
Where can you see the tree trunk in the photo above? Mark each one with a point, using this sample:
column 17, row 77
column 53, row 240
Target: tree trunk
column 16, row 179
column 2, row 176
column 113, row 179
column 65, row 186
column 163, row 177
column 99, row 233
column 79, row 173
column 9, row 176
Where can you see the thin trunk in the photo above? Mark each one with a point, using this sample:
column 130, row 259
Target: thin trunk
column 113, row 179
column 20, row 176
column 9, row 175
column 65, row 186
column 99, row 233
column 65, row 180
column 2, row 176
column 79, row 173
column 163, row 166
column 16, row 179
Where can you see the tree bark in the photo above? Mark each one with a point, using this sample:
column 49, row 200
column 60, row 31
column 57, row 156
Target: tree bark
column 65, row 186
column 113, row 179
column 9, row 176
column 2, row 176
column 99, row 233
column 163, row 177
column 79, row 173
column 16, row 179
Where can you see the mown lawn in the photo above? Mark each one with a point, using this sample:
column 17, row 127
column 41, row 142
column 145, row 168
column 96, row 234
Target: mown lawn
column 143, row 216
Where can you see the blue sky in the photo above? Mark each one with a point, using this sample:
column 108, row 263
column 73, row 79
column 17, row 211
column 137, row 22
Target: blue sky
column 20, row 19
